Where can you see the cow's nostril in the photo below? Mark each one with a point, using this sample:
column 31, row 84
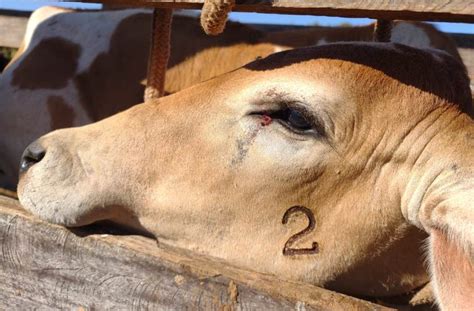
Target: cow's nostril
column 33, row 154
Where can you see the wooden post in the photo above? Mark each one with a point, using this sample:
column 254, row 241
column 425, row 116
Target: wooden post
column 383, row 30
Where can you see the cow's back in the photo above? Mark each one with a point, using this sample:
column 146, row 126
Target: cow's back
column 415, row 34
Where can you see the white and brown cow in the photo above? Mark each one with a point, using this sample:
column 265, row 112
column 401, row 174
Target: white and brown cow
column 349, row 141
column 415, row 34
column 74, row 68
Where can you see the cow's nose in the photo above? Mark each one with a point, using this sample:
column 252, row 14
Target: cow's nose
column 33, row 154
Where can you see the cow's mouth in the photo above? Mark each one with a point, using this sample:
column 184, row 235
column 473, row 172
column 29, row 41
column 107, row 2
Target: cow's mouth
column 109, row 227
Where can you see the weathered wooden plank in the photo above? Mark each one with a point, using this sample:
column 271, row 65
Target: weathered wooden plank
column 12, row 27
column 442, row 10
column 43, row 265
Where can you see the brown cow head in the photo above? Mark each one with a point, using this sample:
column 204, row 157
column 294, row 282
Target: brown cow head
column 318, row 165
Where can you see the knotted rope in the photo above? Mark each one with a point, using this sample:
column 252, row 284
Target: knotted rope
column 214, row 15
column 383, row 30
column 159, row 53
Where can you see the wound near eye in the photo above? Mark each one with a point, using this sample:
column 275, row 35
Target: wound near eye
column 266, row 120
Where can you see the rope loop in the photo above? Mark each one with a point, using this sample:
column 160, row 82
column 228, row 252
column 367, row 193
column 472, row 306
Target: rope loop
column 214, row 15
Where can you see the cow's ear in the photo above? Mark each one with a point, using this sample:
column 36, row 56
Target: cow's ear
column 452, row 272
column 450, row 223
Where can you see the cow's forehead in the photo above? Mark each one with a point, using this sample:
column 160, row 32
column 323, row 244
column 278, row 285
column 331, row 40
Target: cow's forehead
column 359, row 52
column 430, row 71
column 334, row 65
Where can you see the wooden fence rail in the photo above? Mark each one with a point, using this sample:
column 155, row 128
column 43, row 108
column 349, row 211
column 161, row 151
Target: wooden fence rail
column 43, row 265
column 12, row 27
column 440, row 10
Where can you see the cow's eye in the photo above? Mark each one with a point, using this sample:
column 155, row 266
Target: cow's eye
column 294, row 120
column 297, row 120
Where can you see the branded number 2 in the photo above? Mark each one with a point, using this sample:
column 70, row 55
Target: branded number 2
column 287, row 249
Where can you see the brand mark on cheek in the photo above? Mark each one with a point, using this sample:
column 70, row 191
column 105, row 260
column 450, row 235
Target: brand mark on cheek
column 266, row 120
column 288, row 249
